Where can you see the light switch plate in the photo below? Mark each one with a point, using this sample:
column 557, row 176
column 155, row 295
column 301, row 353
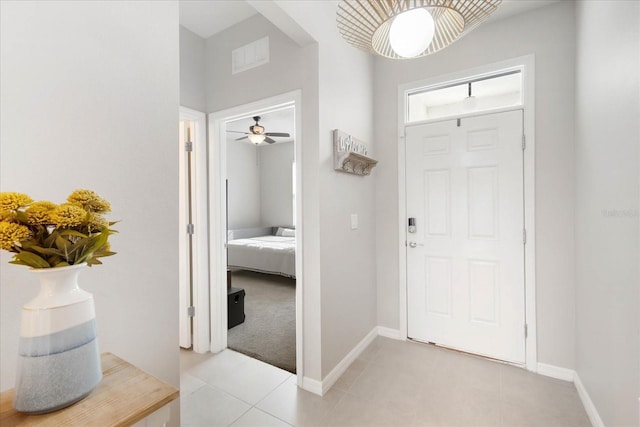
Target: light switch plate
column 354, row 221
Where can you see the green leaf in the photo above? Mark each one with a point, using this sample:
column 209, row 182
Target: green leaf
column 44, row 251
column 72, row 233
column 31, row 259
column 62, row 264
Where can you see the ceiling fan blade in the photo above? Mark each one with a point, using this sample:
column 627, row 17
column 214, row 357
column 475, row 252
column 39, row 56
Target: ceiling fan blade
column 281, row 134
column 269, row 140
column 241, row 138
column 237, row 131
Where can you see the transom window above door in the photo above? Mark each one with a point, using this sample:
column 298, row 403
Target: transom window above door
column 484, row 93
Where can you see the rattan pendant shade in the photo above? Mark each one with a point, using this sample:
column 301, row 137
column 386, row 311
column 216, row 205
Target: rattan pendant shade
column 366, row 23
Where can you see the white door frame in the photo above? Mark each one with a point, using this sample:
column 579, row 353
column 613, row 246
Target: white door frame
column 526, row 65
column 218, row 208
column 200, row 254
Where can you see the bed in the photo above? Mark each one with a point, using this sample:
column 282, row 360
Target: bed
column 272, row 253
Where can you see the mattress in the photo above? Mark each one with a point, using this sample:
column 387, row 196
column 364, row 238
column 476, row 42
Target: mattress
column 266, row 254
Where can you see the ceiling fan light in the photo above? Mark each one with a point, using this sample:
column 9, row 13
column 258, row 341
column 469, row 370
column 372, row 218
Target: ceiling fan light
column 256, row 138
column 411, row 32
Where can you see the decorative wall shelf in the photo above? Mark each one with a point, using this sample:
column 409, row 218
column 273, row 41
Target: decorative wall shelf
column 350, row 155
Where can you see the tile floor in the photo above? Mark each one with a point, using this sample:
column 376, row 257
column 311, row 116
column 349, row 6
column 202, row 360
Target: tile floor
column 393, row 383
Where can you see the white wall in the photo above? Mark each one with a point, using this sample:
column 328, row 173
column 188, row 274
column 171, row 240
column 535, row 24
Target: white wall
column 276, row 184
column 243, row 174
column 347, row 257
column 260, row 184
column 607, row 203
column 192, row 76
column 90, row 100
column 554, row 47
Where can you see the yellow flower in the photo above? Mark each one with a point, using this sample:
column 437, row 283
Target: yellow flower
column 39, row 212
column 68, row 215
column 97, row 222
column 13, row 201
column 11, row 234
column 7, row 216
column 89, row 200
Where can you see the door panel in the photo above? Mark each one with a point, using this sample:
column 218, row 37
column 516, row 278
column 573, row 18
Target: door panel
column 465, row 262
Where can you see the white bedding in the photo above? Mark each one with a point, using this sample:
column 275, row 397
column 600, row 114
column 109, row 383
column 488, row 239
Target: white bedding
column 267, row 254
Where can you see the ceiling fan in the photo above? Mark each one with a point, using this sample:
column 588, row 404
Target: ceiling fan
column 257, row 134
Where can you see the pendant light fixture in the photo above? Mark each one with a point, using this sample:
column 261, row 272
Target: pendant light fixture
column 256, row 138
column 401, row 29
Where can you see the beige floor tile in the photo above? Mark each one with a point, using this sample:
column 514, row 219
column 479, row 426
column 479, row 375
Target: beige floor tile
column 189, row 384
column 299, row 407
column 189, row 359
column 256, row 418
column 392, row 383
column 209, row 407
column 355, row 411
column 250, row 380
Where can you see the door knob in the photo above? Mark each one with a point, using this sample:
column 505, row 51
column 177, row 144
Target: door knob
column 414, row 244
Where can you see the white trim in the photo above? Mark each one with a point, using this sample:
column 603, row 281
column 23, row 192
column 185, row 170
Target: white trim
column 556, row 372
column 527, row 65
column 217, row 207
column 200, row 290
column 572, row 376
column 341, row 368
column 311, row 385
column 394, row 334
column 592, row 412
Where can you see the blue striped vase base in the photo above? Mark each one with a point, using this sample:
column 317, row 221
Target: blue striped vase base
column 58, row 355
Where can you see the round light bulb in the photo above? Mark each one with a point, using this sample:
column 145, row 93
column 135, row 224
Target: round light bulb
column 411, row 32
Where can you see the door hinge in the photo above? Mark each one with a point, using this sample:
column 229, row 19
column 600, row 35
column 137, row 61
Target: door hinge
column 190, row 229
column 524, row 236
column 524, row 141
column 191, row 311
column 459, row 122
column 526, row 330
column 188, row 146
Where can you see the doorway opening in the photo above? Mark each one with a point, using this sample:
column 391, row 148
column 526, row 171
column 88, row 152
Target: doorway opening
column 255, row 255
column 447, row 123
column 261, row 247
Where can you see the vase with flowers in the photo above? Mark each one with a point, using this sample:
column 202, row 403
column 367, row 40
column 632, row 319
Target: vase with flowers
column 58, row 356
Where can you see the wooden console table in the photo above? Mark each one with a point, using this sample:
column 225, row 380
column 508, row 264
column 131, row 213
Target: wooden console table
column 125, row 396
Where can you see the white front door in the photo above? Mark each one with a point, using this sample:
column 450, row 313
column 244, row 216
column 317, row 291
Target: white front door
column 465, row 261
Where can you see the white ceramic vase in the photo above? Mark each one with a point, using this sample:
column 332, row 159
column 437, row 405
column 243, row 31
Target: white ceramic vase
column 58, row 356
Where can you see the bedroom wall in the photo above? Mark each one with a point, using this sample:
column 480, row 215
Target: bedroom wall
column 607, row 204
column 192, row 75
column 243, row 173
column 554, row 47
column 89, row 99
column 276, row 184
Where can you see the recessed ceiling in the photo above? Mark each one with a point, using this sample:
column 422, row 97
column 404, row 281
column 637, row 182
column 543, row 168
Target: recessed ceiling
column 275, row 121
column 206, row 18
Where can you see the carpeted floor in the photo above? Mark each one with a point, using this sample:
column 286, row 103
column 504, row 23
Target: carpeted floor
column 269, row 330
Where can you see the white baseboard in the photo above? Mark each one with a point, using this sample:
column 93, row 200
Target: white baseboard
column 311, row 385
column 390, row 333
column 592, row 412
column 571, row 375
column 344, row 364
column 556, row 372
